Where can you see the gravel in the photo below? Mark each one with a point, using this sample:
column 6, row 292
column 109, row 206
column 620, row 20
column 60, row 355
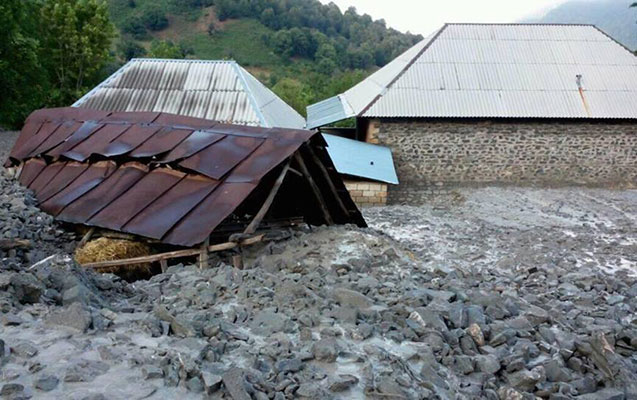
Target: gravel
column 512, row 294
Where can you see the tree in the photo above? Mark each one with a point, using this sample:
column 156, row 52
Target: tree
column 77, row 37
column 154, row 18
column 23, row 80
column 294, row 93
column 128, row 49
column 165, row 49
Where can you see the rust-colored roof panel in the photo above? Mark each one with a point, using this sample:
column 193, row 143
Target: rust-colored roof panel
column 59, row 136
column 168, row 177
column 218, row 159
column 86, row 181
column 135, row 199
column 172, row 206
column 45, row 177
column 192, row 144
column 66, row 175
column 46, row 130
column 129, row 140
column 31, row 169
column 96, row 143
column 97, row 199
column 194, row 227
column 162, row 142
column 85, row 130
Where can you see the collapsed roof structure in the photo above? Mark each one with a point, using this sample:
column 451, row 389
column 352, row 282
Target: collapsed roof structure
column 176, row 179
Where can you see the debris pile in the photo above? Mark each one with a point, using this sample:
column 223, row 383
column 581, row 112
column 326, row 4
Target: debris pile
column 336, row 312
column 27, row 234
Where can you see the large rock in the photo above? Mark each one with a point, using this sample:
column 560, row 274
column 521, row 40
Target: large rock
column 75, row 316
column 351, row 298
column 27, row 288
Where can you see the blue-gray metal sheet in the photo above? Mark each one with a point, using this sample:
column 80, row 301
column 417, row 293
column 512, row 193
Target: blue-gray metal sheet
column 364, row 160
column 215, row 90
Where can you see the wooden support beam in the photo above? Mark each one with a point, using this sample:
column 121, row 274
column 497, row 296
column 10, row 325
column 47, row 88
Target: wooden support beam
column 326, row 174
column 173, row 254
column 268, row 201
column 203, row 256
column 315, row 189
column 237, row 261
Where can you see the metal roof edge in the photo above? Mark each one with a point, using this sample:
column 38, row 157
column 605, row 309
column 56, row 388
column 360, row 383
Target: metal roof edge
column 634, row 53
column 403, row 70
column 239, row 70
column 183, row 60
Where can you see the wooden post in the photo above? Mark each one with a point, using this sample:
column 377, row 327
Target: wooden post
column 315, row 189
column 237, row 261
column 164, row 265
column 254, row 224
column 203, row 257
column 86, row 237
column 326, row 174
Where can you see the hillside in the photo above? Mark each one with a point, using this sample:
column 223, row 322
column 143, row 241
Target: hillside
column 612, row 16
column 304, row 50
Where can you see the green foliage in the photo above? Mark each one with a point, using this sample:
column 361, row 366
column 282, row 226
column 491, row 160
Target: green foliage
column 241, row 40
column 76, row 36
column 154, row 18
column 51, row 52
column 165, row 49
column 294, row 93
column 23, row 80
column 128, row 48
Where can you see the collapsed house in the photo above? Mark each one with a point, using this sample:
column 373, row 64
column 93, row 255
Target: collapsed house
column 477, row 104
column 177, row 180
column 222, row 90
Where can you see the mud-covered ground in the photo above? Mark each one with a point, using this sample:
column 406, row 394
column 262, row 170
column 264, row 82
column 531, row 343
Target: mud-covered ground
column 515, row 293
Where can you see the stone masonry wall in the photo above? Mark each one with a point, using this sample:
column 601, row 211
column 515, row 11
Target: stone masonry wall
column 367, row 194
column 433, row 157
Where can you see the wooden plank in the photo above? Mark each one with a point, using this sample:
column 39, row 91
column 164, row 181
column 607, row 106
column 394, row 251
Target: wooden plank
column 315, row 189
column 256, row 221
column 173, row 254
column 326, row 174
column 8, row 244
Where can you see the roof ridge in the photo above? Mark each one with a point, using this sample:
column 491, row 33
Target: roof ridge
column 404, row 69
column 257, row 110
column 518, row 24
column 183, row 60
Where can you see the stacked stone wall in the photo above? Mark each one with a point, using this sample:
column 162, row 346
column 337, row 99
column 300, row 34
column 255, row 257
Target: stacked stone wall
column 434, row 157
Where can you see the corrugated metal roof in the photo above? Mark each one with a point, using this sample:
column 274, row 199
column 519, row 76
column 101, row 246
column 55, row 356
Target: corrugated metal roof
column 168, row 177
column 498, row 71
column 352, row 157
column 217, row 90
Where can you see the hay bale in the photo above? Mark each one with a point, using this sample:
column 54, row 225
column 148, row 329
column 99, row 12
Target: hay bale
column 105, row 249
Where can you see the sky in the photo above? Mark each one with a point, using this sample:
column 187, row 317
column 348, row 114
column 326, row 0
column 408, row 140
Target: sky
column 426, row 16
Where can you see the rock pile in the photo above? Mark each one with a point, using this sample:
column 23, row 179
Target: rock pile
column 335, row 313
column 20, row 219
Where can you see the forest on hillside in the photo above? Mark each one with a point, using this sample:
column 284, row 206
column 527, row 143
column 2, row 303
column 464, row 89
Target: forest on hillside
column 304, row 50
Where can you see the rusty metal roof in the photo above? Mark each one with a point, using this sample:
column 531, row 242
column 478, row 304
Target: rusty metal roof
column 215, row 90
column 498, row 71
column 163, row 176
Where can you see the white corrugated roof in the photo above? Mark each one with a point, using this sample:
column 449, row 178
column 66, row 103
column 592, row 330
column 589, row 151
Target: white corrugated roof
column 216, row 90
column 498, row 71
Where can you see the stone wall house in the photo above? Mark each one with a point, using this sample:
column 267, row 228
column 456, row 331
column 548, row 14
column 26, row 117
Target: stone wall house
column 521, row 104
